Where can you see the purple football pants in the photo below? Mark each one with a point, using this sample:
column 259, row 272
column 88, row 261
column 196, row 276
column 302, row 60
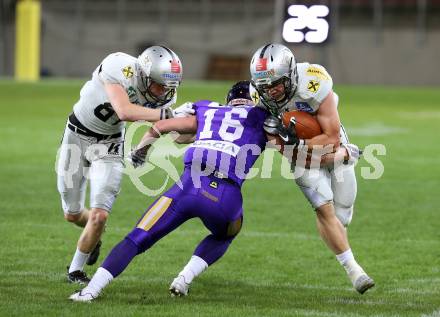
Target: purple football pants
column 218, row 203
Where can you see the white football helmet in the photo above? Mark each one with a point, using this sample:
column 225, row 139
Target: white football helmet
column 160, row 65
column 271, row 65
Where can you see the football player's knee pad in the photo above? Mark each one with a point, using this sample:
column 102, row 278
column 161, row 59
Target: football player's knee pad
column 72, row 202
column 345, row 190
column 315, row 185
column 234, row 227
column 344, row 214
column 105, row 196
column 105, row 183
column 318, row 193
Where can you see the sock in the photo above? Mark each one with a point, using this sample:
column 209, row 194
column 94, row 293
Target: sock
column 78, row 261
column 100, row 280
column 353, row 269
column 345, row 256
column 194, row 268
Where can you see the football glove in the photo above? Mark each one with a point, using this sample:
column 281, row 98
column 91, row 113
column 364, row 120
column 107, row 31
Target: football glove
column 271, row 125
column 288, row 135
column 274, row 126
column 354, row 153
column 184, row 110
column 137, row 157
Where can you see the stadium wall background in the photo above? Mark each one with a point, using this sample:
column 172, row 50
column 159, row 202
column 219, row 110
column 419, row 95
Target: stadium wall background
column 371, row 42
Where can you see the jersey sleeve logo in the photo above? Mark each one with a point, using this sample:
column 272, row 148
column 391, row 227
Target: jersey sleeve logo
column 128, row 71
column 313, row 86
column 315, row 71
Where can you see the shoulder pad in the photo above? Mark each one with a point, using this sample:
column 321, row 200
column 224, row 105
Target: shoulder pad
column 314, row 83
column 207, row 103
column 117, row 68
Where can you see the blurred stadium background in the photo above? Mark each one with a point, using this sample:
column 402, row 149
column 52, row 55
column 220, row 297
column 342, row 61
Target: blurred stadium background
column 369, row 41
column 384, row 59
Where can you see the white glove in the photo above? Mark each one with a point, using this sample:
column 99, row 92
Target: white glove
column 354, row 153
column 184, row 110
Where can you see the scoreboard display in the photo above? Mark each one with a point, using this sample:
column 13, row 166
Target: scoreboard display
column 306, row 24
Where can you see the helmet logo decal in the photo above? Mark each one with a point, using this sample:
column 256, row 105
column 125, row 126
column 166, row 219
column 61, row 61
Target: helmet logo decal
column 261, row 64
column 175, row 66
column 128, row 71
column 171, row 76
column 263, row 74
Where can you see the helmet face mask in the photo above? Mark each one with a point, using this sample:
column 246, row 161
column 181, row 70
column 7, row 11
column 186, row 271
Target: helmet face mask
column 272, row 65
column 281, row 86
column 159, row 74
column 156, row 92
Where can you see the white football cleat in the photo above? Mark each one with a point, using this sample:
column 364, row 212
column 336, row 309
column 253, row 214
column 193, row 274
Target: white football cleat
column 179, row 287
column 83, row 296
column 363, row 283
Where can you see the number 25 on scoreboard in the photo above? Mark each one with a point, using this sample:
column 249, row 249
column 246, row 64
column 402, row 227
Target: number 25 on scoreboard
column 307, row 24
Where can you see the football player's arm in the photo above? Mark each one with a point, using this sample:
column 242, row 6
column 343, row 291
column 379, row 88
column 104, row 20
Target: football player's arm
column 187, row 125
column 275, row 142
column 185, row 138
column 329, row 159
column 328, row 119
column 185, row 110
column 126, row 110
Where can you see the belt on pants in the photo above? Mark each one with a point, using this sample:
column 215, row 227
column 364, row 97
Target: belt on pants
column 74, row 125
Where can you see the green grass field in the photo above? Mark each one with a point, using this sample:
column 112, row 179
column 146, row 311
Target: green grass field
column 277, row 266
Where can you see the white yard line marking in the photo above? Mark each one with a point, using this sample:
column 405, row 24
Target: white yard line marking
column 375, row 129
column 257, row 234
column 433, row 314
column 419, row 114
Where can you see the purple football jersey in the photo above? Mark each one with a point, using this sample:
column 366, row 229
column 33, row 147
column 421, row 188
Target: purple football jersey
column 229, row 139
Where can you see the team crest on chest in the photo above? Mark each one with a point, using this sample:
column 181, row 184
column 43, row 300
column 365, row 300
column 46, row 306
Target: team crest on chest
column 313, row 86
column 128, row 71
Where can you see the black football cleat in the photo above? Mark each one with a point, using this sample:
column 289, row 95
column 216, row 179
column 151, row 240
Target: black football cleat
column 95, row 254
column 78, row 276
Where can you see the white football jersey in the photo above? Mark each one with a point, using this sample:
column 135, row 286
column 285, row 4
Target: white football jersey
column 314, row 85
column 94, row 109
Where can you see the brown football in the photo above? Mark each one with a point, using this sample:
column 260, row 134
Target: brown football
column 306, row 126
